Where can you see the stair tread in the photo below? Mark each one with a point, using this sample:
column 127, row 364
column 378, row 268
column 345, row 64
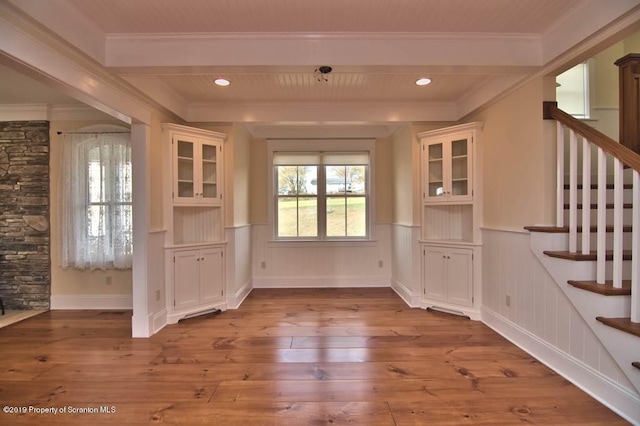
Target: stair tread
column 622, row 324
column 626, row 255
column 606, row 289
column 565, row 229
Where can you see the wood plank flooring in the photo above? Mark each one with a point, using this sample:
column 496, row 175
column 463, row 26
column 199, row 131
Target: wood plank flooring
column 286, row 357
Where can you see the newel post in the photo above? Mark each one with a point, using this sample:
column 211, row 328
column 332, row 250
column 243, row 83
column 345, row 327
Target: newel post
column 629, row 71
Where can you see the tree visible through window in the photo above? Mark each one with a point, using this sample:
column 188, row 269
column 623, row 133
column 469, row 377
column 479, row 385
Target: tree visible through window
column 97, row 228
column 321, row 195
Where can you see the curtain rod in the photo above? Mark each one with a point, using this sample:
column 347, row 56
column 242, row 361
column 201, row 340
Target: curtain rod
column 89, row 133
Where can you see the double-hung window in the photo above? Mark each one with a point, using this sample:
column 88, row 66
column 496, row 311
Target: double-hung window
column 321, row 195
column 96, row 202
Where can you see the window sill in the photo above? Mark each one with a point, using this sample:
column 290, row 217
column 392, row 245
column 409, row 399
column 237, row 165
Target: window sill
column 321, row 243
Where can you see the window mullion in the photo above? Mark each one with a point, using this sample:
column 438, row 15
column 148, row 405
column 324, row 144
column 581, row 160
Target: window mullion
column 322, row 202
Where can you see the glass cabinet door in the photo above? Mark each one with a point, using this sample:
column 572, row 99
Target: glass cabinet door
column 185, row 169
column 435, row 170
column 459, row 168
column 209, row 171
column 447, row 169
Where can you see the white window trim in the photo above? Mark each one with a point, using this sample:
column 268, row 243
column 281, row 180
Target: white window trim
column 321, row 145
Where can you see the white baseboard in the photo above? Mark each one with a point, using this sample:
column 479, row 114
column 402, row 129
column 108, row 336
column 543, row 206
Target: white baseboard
column 234, row 301
column 618, row 399
column 411, row 299
column 320, row 282
column 92, row 301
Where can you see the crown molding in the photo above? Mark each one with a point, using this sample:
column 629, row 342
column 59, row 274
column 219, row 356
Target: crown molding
column 24, row 112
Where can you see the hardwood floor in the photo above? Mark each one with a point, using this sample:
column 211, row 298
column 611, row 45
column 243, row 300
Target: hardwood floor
column 286, row 357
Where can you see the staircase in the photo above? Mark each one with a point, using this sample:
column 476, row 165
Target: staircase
column 593, row 252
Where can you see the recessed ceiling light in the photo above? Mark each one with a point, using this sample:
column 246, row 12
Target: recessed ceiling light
column 423, row 81
column 221, row 82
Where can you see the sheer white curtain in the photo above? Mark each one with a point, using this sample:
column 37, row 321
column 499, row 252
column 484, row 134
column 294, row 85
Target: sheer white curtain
column 96, row 199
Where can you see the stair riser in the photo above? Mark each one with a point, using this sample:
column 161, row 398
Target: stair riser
column 626, row 217
column 626, row 241
column 627, row 196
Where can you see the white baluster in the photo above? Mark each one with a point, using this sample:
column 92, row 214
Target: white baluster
column 618, row 211
column 586, row 196
column 601, row 244
column 560, row 175
column 635, row 250
column 573, row 191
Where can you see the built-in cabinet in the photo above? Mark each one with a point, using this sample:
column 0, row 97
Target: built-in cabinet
column 448, row 274
column 200, row 275
column 194, row 218
column 451, row 216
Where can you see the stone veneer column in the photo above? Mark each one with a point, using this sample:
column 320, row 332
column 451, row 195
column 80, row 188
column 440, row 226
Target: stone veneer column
column 25, row 264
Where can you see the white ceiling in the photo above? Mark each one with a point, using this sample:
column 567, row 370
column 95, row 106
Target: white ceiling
column 324, row 16
column 171, row 50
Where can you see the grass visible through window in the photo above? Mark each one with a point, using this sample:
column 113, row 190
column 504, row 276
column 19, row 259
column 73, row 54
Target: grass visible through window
column 305, row 210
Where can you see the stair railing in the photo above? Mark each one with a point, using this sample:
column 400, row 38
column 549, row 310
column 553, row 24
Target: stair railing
column 569, row 130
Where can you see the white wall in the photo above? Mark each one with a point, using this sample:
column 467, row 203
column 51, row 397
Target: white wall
column 321, row 264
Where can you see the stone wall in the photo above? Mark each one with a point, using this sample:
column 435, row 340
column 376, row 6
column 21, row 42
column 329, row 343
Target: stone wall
column 25, row 265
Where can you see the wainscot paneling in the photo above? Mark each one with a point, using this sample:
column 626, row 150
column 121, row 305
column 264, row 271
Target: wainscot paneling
column 540, row 319
column 321, row 264
column 405, row 258
column 238, row 264
column 156, row 296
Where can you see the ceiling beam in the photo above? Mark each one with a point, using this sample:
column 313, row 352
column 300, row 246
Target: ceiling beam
column 337, row 49
column 323, row 112
column 30, row 49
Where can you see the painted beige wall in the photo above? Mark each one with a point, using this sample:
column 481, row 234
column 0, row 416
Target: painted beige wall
column 632, row 44
column 73, row 281
column 241, row 176
column 258, row 182
column 605, row 76
column 156, row 172
column 518, row 161
column 384, row 181
column 403, row 179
